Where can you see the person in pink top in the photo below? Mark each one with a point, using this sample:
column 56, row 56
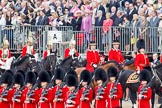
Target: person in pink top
column 107, row 23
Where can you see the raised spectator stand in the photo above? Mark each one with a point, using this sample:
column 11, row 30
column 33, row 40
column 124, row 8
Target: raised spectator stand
column 17, row 36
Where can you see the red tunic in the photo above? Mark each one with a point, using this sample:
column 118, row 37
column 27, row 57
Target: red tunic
column 77, row 99
column 46, row 103
column 45, row 54
column 86, row 104
column 102, row 102
column 161, row 58
column 6, row 104
column 92, row 58
column 66, row 53
column 116, row 54
column 141, row 61
column 33, row 103
column 24, row 51
column 61, row 103
column 145, row 103
column 22, row 98
column 1, row 55
column 115, row 102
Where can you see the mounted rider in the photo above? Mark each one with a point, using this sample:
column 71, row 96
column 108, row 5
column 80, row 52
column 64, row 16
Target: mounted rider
column 71, row 51
column 5, row 52
column 49, row 50
column 28, row 48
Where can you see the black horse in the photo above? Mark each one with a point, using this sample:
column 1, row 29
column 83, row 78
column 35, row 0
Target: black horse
column 49, row 62
column 133, row 87
column 26, row 64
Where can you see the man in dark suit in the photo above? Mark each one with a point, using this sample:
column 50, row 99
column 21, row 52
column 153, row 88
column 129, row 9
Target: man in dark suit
column 119, row 19
column 71, row 21
column 113, row 13
column 100, row 7
column 132, row 10
column 78, row 20
column 113, row 3
column 98, row 23
column 24, row 7
column 43, row 20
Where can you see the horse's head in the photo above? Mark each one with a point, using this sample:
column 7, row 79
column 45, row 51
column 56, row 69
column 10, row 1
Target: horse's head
column 129, row 65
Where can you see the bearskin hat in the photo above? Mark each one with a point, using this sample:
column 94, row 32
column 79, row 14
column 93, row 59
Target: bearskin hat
column 141, row 43
column 22, row 72
column 7, row 78
column 112, row 72
column 71, row 80
column 59, row 74
column 145, row 75
column 10, row 72
column 72, row 72
column 86, row 76
column 100, row 74
column 44, row 77
column 30, row 77
column 19, row 78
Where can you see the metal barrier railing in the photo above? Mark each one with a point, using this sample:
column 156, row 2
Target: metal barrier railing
column 61, row 36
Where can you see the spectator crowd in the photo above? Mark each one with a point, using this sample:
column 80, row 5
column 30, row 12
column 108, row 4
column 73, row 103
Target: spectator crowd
column 132, row 17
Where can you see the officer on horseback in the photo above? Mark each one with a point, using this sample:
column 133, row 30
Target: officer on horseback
column 49, row 49
column 5, row 53
column 141, row 60
column 29, row 48
column 71, row 51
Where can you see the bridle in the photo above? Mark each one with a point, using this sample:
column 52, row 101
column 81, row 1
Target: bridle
column 156, row 75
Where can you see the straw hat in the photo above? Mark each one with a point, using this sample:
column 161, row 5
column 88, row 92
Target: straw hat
column 5, row 41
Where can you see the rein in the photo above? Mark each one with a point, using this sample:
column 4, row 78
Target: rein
column 155, row 74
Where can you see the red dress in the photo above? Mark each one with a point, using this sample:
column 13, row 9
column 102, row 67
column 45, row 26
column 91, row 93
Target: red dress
column 141, row 61
column 77, row 99
column 145, row 103
column 86, row 104
column 46, row 103
column 22, row 98
column 24, row 51
column 33, row 103
column 116, row 54
column 102, row 102
column 66, row 53
column 61, row 103
column 92, row 58
column 115, row 102
column 6, row 104
column 1, row 55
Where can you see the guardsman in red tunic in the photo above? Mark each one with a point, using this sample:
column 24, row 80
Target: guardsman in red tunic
column 71, row 51
column 86, row 92
column 45, row 99
column 29, row 48
column 141, row 60
column 115, row 53
column 6, row 92
column 59, row 91
column 100, row 89
column 19, row 93
column 5, row 53
column 49, row 49
column 32, row 94
column 93, row 58
column 144, row 91
column 113, row 98
column 72, row 96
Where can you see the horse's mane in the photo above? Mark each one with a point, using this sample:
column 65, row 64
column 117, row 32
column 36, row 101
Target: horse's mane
column 20, row 61
column 129, row 63
column 64, row 60
column 113, row 61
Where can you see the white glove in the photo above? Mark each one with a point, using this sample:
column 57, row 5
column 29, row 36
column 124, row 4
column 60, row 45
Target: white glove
column 141, row 96
column 138, row 71
column 94, row 65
